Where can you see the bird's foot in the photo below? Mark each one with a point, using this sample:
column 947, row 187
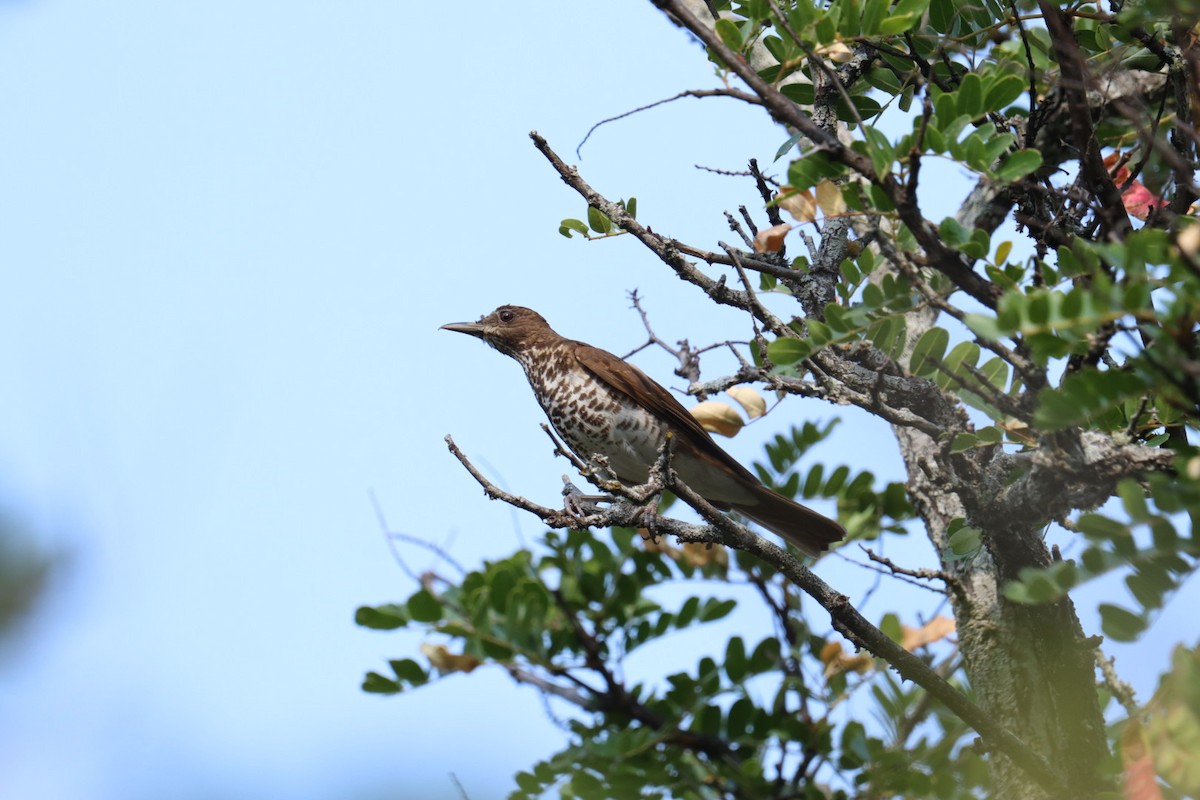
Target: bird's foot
column 649, row 519
column 579, row 506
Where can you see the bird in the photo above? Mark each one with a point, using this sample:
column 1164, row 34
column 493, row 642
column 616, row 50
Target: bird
column 602, row 405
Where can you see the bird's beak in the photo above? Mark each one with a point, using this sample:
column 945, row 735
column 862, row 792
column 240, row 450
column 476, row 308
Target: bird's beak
column 469, row 328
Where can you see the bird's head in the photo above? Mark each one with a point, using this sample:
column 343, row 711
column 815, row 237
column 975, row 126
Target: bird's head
column 512, row 330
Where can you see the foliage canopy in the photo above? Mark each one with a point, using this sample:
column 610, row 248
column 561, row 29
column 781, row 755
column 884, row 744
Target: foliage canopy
column 1028, row 381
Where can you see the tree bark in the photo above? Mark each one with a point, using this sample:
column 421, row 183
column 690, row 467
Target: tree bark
column 1030, row 666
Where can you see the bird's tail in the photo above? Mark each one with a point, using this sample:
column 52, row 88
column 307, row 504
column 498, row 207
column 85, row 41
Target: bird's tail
column 802, row 527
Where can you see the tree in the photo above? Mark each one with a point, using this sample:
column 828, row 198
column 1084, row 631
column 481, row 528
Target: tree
column 1025, row 392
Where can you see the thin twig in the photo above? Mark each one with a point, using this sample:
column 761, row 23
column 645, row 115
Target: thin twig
column 729, row 91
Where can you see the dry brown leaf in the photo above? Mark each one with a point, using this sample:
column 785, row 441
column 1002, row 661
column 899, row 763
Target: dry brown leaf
column 717, row 417
column 657, row 544
column 445, row 661
column 1192, row 468
column 936, row 629
column 749, row 399
column 1189, row 239
column 802, row 206
column 1018, row 430
column 837, row 52
column 831, row 652
column 770, row 240
column 829, row 199
column 837, row 661
column 700, row 554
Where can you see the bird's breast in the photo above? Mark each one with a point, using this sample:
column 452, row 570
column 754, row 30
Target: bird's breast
column 595, row 419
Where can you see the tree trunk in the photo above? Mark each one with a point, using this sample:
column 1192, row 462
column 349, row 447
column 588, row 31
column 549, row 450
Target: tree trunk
column 1030, row 666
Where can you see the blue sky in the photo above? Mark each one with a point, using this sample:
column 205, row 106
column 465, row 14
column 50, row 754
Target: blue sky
column 229, row 233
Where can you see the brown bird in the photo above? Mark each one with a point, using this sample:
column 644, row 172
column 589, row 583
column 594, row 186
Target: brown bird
column 601, row 405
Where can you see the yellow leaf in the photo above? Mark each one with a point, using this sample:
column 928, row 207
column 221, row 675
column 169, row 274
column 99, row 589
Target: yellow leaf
column 802, row 206
column 716, row 417
column 700, row 554
column 831, row 652
column 770, row 240
column 658, row 544
column 1018, row 430
column 829, row 199
column 837, row 52
column 1189, row 239
column 937, row 628
column 445, row 661
column 749, row 399
column 837, row 661
column 1002, row 251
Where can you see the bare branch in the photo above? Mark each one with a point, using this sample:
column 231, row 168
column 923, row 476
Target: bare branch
column 727, row 91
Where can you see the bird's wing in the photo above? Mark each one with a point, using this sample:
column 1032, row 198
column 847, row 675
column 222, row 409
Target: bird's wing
column 639, row 387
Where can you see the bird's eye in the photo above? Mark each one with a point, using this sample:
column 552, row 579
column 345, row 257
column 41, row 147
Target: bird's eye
column 506, row 316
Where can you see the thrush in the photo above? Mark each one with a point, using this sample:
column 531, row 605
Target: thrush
column 602, row 405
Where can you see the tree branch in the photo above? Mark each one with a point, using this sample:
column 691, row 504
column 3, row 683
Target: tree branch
column 846, row 619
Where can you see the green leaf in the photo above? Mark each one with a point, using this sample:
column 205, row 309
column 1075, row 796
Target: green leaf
column 873, row 14
column 963, row 543
column 382, row 618
column 963, row 353
column 377, row 684
column 883, row 78
column 996, row 372
column 788, row 351
column 970, row 96
column 1019, row 164
column 409, row 671
column 880, row 150
column 687, row 612
column 1119, row 623
column 898, row 23
column 585, row 785
column 791, row 142
column 730, row 34
column 963, row 442
column 598, row 221
column 1134, row 500
column 424, row 607
column 736, row 665
column 708, row 720
column 953, row 233
column 1003, row 92
column 766, row 655
column 929, row 348
column 890, row 625
column 911, row 7
column 808, row 171
column 716, row 609
column 1098, row 526
column 567, row 225
column 942, row 15
column 528, row 783
column 737, row 722
column 985, row 327
column 802, row 94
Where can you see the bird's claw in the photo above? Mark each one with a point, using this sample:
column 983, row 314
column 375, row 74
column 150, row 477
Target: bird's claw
column 649, row 518
column 579, row 506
